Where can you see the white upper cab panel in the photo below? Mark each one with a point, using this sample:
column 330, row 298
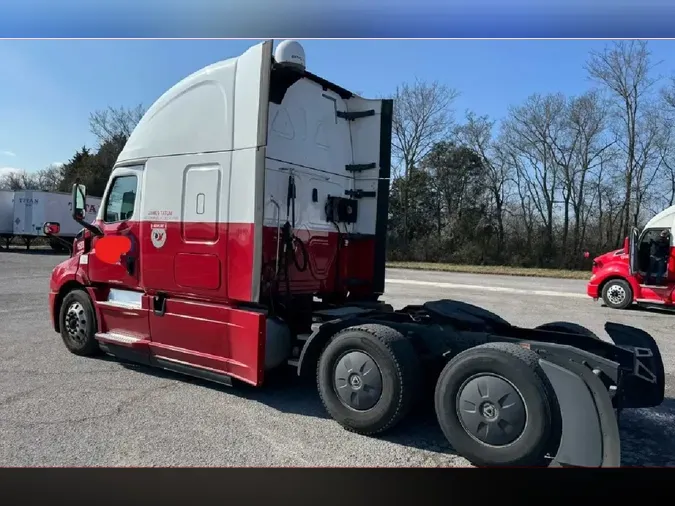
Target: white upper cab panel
column 226, row 107
column 222, row 107
column 664, row 219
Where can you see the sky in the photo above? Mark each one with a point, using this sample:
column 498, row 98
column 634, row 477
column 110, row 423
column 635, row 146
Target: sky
column 48, row 88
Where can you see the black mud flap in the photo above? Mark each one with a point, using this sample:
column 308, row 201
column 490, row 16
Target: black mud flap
column 590, row 431
column 645, row 387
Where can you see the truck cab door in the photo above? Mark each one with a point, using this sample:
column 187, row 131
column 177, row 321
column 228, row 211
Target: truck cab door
column 633, row 244
column 121, row 301
column 670, row 263
column 118, row 217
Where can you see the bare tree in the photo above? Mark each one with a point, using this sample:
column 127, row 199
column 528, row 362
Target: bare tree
column 532, row 131
column 18, row 180
column 477, row 133
column 49, row 178
column 646, row 186
column 114, row 122
column 668, row 94
column 564, row 145
column 588, row 115
column 666, row 142
column 422, row 117
column 624, row 68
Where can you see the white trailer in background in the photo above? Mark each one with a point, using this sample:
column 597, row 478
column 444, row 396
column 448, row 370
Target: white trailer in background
column 6, row 216
column 33, row 208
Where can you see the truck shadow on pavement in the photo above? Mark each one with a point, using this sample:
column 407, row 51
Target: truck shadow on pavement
column 646, row 310
column 647, row 435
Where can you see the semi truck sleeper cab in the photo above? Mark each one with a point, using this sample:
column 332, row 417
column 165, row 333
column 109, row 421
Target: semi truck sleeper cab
column 249, row 212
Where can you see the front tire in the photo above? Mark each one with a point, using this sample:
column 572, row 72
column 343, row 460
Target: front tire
column 497, row 408
column 617, row 294
column 77, row 320
column 368, row 378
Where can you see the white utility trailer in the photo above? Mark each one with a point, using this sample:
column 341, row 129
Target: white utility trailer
column 6, row 216
column 33, row 208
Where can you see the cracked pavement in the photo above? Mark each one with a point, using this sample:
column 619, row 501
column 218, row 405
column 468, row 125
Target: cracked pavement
column 57, row 409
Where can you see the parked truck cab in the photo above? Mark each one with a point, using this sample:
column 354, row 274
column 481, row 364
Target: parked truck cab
column 243, row 229
column 250, row 183
column 619, row 276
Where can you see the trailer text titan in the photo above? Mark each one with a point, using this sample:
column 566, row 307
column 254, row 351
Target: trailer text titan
column 252, row 198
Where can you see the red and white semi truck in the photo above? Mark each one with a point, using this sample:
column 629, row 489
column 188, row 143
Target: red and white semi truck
column 619, row 277
column 253, row 199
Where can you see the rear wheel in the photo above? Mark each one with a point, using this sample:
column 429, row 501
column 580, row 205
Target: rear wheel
column 368, row 378
column 617, row 294
column 78, row 324
column 570, row 328
column 497, row 408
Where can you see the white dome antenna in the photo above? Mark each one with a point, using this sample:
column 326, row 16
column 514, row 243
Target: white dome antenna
column 290, row 53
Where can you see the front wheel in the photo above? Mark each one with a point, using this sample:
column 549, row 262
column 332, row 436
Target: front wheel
column 617, row 294
column 78, row 324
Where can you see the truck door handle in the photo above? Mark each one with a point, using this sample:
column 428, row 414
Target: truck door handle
column 130, row 264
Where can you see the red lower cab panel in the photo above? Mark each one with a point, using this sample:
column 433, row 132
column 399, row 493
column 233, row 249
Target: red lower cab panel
column 207, row 336
column 656, row 295
column 211, row 336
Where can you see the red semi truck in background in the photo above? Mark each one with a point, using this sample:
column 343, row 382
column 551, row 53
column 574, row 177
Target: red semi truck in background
column 619, row 276
column 253, row 200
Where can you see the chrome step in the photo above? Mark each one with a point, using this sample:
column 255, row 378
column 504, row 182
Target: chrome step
column 651, row 301
column 120, row 339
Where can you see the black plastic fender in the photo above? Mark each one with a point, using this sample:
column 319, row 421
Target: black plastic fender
column 645, row 387
column 590, row 431
column 315, row 344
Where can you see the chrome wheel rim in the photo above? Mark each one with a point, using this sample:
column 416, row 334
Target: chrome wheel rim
column 76, row 323
column 616, row 294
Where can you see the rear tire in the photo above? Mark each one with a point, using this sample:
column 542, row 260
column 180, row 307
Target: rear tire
column 497, row 408
column 617, row 294
column 368, row 378
column 570, row 328
column 77, row 321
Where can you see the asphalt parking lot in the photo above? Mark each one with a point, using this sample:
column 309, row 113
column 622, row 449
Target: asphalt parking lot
column 57, row 409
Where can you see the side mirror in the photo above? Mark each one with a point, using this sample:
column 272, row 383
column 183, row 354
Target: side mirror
column 51, row 228
column 79, row 201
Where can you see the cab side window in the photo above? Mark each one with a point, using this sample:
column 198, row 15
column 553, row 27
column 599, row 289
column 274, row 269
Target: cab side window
column 119, row 205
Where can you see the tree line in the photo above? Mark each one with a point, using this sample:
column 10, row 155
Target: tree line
column 558, row 175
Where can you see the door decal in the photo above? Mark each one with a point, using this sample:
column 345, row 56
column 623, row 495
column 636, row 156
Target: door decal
column 158, row 234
